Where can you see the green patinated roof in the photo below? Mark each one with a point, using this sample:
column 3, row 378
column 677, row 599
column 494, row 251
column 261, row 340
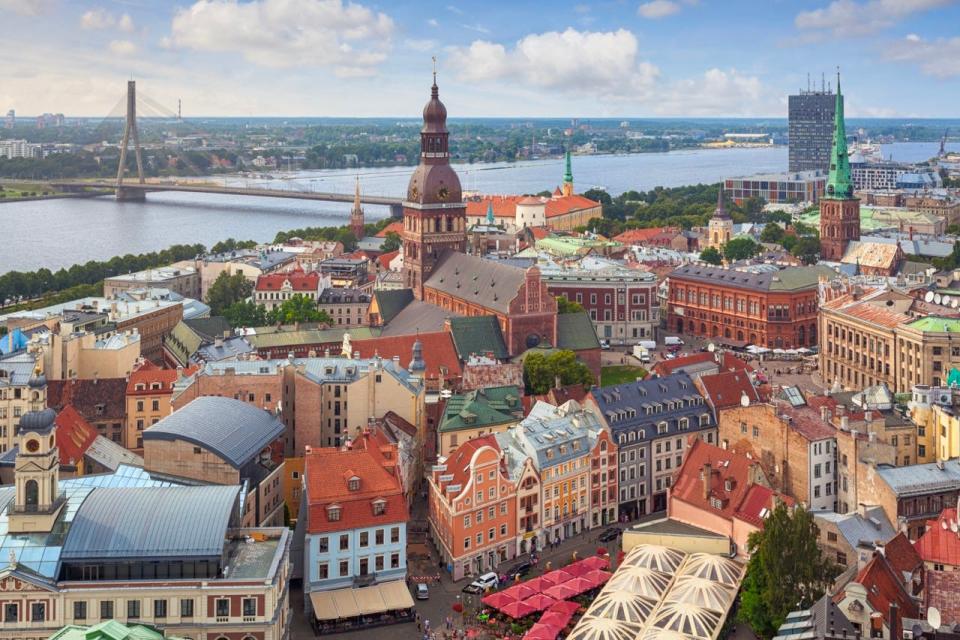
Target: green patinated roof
column 182, row 342
column 953, row 378
column 575, row 332
column 840, row 182
column 482, row 408
column 110, row 630
column 793, row 278
column 874, row 218
column 936, row 324
column 478, row 335
column 390, row 303
column 568, row 169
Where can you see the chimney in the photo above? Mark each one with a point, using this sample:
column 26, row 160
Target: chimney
column 707, row 477
column 893, row 621
column 872, row 435
column 868, row 416
column 825, row 414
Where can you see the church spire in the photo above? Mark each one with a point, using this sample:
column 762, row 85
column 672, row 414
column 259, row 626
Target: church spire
column 568, row 175
column 720, row 213
column 356, row 214
column 490, row 219
column 839, row 183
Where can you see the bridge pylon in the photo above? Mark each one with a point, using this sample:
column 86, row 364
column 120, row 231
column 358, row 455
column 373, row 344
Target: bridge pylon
column 130, row 129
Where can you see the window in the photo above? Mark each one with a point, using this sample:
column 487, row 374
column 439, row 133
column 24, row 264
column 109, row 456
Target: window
column 378, row 536
column 106, row 609
column 323, row 544
column 503, row 530
column 344, row 568
column 11, row 612
column 249, row 607
column 394, row 560
column 466, row 542
column 155, row 405
column 80, row 610
column 133, row 608
column 491, row 534
column 38, row 611
column 323, row 570
column 344, row 542
column 364, row 538
column 159, row 608
column 379, row 508
column 333, row 514
column 186, row 608
column 831, row 536
column 378, row 563
column 223, row 608
column 395, row 534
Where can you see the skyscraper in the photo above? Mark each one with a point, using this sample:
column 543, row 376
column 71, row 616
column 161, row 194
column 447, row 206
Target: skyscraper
column 839, row 209
column 811, row 114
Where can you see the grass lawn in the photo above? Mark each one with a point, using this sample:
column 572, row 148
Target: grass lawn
column 620, row 374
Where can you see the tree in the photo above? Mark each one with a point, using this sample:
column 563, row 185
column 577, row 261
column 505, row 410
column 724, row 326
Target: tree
column 226, row 290
column 391, row 242
column 740, row 249
column 710, row 255
column 598, row 195
column 772, row 233
column 299, row 308
column 568, row 306
column 786, row 572
column 807, row 249
column 540, row 371
column 245, row 314
column 225, row 246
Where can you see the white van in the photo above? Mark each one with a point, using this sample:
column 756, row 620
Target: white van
column 672, row 341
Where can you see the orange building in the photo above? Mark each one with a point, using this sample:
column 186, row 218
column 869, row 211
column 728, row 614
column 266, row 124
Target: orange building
column 149, row 390
column 473, row 508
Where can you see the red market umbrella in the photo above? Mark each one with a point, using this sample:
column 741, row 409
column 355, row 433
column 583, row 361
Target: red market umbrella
column 597, row 577
column 564, row 606
column 520, row 591
column 596, row 562
column 579, row 585
column 541, row 632
column 499, row 599
column 576, row 568
column 537, row 584
column 556, row 577
column 561, row 591
column 540, row 601
column 517, row 609
column 556, row 618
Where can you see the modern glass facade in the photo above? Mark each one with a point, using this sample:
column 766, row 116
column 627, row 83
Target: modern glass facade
column 810, row 130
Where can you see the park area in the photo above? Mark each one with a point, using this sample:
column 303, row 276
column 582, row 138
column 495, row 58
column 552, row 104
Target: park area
column 620, row 374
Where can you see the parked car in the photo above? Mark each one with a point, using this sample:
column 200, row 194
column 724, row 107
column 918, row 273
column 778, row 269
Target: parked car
column 481, row 584
column 522, row 569
column 423, row 592
column 604, row 344
column 610, row 534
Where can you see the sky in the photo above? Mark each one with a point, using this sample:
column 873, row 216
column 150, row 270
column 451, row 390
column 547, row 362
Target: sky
column 506, row 58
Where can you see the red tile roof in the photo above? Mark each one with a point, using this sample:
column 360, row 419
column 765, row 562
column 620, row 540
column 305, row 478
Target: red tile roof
column 938, row 544
column 884, row 586
column 395, row 226
column 328, row 471
column 903, row 557
column 743, row 500
column 147, row 375
column 384, row 259
column 74, row 435
column 568, row 204
column 96, row 400
column 728, row 362
column 639, row 236
column 874, row 314
column 725, row 389
column 458, row 463
column 438, row 351
column 539, row 233
column 807, row 422
column 503, row 206
column 506, row 206
column 300, row 280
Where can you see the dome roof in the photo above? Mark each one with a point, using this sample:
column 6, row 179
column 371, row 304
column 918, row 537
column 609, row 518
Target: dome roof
column 434, row 113
column 38, row 421
column 434, row 184
column 37, row 380
column 654, row 557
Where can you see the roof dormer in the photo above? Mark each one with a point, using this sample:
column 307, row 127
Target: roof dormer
column 379, row 506
column 333, row 512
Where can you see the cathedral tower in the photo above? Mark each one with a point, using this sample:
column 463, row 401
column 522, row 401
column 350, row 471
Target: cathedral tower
column 356, row 214
column 567, row 188
column 839, row 210
column 720, row 227
column 434, row 214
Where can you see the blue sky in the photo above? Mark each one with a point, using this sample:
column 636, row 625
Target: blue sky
column 495, row 57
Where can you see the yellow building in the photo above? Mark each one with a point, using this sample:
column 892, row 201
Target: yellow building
column 934, row 411
column 720, row 227
column 16, row 395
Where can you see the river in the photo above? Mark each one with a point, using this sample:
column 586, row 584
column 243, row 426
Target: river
column 61, row 232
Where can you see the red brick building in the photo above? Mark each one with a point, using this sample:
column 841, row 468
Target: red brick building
column 774, row 309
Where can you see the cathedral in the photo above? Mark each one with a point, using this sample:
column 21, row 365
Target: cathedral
column 839, row 209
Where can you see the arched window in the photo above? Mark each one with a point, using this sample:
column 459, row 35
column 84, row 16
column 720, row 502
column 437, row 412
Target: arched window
column 32, row 491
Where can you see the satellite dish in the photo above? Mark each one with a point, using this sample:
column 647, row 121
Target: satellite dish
column 928, row 297
column 744, row 399
column 938, row 298
column 711, row 347
column 933, row 617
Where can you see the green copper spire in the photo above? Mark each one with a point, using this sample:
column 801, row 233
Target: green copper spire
column 568, row 172
column 839, row 184
column 490, row 212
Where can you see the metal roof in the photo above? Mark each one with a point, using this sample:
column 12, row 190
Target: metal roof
column 129, row 523
column 234, row 430
column 921, row 479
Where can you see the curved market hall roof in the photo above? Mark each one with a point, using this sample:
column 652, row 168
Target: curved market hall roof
column 654, row 557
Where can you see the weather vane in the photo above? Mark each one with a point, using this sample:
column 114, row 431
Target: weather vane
column 434, row 58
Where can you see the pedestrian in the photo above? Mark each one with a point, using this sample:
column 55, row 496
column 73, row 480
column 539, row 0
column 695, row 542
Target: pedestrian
column 419, row 627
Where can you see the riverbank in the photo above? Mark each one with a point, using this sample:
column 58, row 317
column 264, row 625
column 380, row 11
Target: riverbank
column 52, row 196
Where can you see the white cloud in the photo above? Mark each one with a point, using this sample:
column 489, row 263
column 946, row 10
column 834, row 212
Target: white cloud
column 939, row 58
column 602, row 62
column 123, row 47
column 26, row 7
column 351, row 38
column 97, row 19
column 125, row 23
column 848, row 18
column 433, row 22
column 715, row 93
column 479, row 28
column 419, row 45
column 658, row 9
column 454, row 9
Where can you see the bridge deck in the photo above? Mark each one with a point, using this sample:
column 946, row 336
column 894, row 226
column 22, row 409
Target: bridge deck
column 235, row 191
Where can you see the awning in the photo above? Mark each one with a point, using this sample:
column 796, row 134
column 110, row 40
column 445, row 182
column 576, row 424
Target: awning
column 323, row 607
column 348, row 603
column 396, row 595
column 345, row 602
column 369, row 600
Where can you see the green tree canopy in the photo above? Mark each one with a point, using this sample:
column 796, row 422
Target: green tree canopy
column 786, row 571
column 246, row 314
column 807, row 249
column 773, row 233
column 740, row 249
column 230, row 244
column 711, row 255
column 299, row 308
column 540, row 371
column 226, row 290
column 568, row 306
column 391, row 243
